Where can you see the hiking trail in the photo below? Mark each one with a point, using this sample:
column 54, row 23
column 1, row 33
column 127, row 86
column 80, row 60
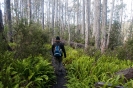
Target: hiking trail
column 60, row 78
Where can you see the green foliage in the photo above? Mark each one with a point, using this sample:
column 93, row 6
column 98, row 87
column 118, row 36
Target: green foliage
column 78, row 38
column 84, row 71
column 5, row 59
column 126, row 51
column 31, row 72
column 115, row 38
column 30, row 40
column 93, row 52
column 72, row 55
column 3, row 44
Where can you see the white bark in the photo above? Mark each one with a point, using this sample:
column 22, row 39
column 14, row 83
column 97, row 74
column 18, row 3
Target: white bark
column 77, row 30
column 110, row 23
column 29, row 11
column 87, row 30
column 53, row 15
column 104, row 26
column 42, row 14
column 97, row 23
column 8, row 20
column 83, row 20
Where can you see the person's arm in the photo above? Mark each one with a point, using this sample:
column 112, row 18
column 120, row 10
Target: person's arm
column 53, row 49
column 64, row 51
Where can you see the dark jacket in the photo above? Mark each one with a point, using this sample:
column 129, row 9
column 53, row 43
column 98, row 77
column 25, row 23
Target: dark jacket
column 61, row 46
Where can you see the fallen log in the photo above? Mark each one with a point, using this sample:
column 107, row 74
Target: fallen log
column 127, row 73
column 102, row 84
column 74, row 44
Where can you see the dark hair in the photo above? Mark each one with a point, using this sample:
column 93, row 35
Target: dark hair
column 57, row 38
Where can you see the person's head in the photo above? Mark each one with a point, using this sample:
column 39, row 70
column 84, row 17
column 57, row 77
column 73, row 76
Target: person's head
column 57, row 39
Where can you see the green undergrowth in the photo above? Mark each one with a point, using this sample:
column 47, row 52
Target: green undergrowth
column 84, row 71
column 31, row 72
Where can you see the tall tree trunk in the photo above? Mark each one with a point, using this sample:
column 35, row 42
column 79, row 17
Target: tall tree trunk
column 110, row 23
column 131, row 23
column 60, row 19
column 83, row 20
column 48, row 15
column 1, row 22
column 121, row 22
column 56, row 13
column 68, row 22
column 62, row 22
column 5, row 11
column 104, row 26
column 8, row 20
column 87, row 30
column 69, row 33
column 53, row 15
column 66, row 8
column 21, row 8
column 16, row 3
column 94, row 23
column 29, row 11
column 97, row 23
column 42, row 14
column 77, row 30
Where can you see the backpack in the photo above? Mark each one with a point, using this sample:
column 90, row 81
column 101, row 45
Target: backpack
column 57, row 51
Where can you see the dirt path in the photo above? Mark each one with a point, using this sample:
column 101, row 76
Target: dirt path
column 60, row 78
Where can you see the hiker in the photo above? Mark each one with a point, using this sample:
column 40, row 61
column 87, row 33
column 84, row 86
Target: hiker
column 57, row 50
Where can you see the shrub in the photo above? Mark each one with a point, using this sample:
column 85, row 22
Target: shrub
column 85, row 71
column 3, row 44
column 93, row 52
column 125, row 51
column 29, row 40
column 6, row 59
column 32, row 72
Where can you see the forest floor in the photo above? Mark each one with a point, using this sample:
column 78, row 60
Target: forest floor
column 60, row 77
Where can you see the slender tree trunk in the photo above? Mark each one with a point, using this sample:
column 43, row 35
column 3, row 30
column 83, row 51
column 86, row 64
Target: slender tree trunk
column 104, row 25
column 1, row 22
column 83, row 20
column 68, row 22
column 130, row 34
column 21, row 9
column 29, row 11
column 16, row 3
column 48, row 15
column 53, row 15
column 5, row 12
column 69, row 34
column 8, row 20
column 77, row 30
column 66, row 4
column 110, row 23
column 43, row 14
column 55, row 18
column 94, row 21
column 60, row 19
column 88, row 6
column 97, row 23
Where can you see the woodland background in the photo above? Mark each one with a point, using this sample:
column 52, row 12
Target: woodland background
column 99, row 33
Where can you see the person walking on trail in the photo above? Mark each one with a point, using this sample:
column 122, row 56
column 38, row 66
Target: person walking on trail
column 57, row 50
